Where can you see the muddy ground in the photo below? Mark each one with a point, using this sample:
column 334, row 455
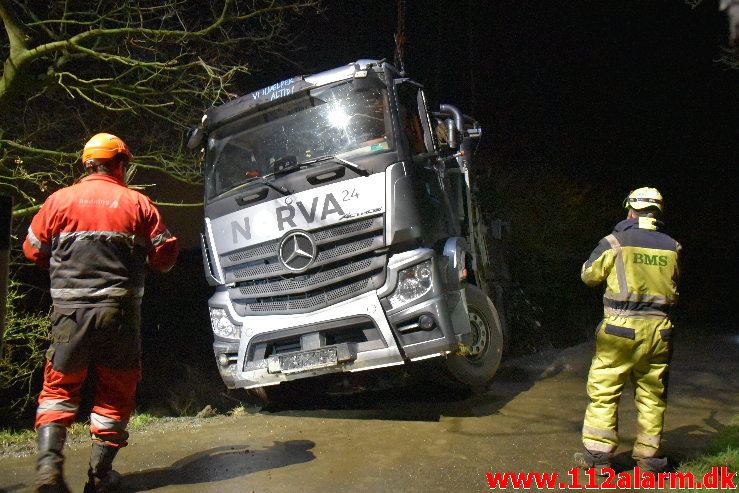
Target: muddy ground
column 527, row 421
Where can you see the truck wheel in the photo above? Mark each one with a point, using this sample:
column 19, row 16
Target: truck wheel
column 260, row 395
column 475, row 369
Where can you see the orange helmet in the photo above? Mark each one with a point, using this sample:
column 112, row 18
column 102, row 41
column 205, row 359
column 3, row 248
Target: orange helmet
column 104, row 146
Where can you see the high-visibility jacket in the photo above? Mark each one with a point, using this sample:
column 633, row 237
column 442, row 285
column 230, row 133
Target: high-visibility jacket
column 640, row 265
column 96, row 237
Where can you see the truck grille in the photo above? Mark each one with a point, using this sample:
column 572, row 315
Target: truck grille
column 303, row 283
column 309, row 301
column 347, row 264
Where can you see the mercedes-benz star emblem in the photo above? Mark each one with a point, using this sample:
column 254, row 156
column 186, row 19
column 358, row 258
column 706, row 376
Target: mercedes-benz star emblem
column 297, row 251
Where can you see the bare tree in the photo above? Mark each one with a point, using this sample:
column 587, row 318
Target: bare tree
column 143, row 69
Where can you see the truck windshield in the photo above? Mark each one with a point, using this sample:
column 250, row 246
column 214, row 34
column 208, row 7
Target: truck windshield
column 332, row 120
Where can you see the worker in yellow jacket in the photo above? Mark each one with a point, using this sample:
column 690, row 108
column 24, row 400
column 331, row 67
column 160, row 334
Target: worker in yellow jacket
column 639, row 264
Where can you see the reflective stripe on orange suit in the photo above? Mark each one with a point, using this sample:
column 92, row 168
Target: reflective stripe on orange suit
column 96, row 237
column 115, row 391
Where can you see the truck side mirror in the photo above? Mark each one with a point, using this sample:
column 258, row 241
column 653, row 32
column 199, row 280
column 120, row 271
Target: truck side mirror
column 195, row 137
column 446, row 133
column 451, row 130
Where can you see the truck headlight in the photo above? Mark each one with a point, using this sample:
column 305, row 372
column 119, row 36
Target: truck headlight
column 413, row 282
column 222, row 325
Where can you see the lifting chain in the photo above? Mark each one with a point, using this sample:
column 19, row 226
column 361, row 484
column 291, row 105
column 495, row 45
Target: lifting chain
column 400, row 38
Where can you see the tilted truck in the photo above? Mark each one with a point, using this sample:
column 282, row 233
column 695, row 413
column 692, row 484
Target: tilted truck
column 341, row 233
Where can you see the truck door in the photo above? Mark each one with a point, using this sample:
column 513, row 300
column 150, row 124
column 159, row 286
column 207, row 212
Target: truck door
column 432, row 191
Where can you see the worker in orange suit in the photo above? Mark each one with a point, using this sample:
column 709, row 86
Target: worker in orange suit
column 96, row 237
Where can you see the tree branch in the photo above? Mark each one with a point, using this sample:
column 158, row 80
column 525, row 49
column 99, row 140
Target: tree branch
column 25, row 212
column 35, row 150
column 17, row 44
column 14, row 28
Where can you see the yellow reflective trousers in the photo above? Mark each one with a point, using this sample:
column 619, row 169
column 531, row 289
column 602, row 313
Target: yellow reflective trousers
column 644, row 360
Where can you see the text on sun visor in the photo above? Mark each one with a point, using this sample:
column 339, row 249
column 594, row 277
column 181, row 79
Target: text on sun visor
column 275, row 91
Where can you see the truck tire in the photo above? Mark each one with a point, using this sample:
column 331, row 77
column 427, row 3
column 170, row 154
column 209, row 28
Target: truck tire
column 260, row 395
column 474, row 370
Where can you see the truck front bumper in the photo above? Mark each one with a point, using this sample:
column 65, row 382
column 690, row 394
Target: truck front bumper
column 351, row 336
column 355, row 335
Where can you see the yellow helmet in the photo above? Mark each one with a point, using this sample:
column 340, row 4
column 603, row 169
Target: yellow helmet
column 643, row 197
column 104, row 146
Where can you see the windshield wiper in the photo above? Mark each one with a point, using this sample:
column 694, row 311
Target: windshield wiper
column 360, row 170
column 286, row 165
column 264, row 181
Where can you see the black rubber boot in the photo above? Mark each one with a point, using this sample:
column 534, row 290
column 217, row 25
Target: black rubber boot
column 101, row 476
column 597, row 460
column 49, row 477
column 654, row 465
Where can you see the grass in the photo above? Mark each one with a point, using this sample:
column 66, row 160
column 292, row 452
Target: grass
column 10, row 437
column 15, row 437
column 140, row 420
column 723, row 452
column 239, row 411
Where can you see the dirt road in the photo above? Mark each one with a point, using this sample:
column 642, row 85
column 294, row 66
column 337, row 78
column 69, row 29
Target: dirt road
column 528, row 421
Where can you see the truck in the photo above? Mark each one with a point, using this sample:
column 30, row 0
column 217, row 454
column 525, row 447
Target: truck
column 342, row 233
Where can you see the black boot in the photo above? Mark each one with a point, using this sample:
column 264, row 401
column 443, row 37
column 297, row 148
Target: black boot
column 49, row 476
column 596, row 460
column 101, row 476
column 654, row 465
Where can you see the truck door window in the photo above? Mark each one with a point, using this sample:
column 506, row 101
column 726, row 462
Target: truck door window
column 410, row 118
